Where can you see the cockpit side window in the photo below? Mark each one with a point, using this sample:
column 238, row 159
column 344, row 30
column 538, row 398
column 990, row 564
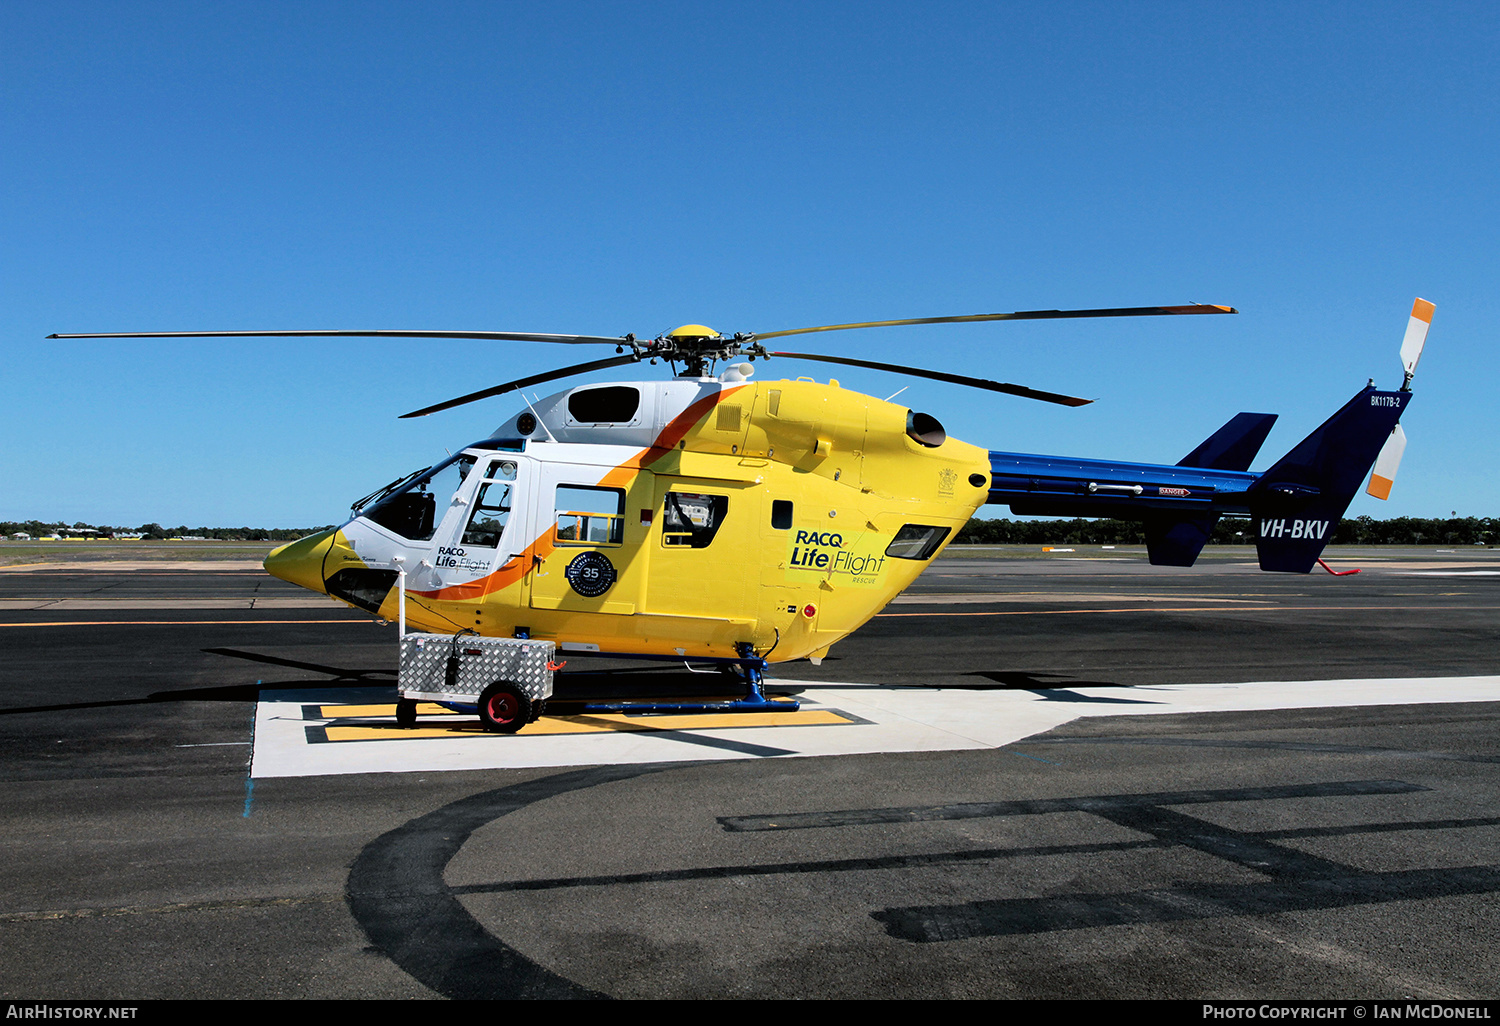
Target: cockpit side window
column 414, row 510
column 492, row 505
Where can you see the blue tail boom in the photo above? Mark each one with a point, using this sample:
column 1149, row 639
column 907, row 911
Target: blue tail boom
column 1296, row 504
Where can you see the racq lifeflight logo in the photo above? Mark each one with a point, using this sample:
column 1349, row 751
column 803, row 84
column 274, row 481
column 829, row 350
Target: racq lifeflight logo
column 824, row 552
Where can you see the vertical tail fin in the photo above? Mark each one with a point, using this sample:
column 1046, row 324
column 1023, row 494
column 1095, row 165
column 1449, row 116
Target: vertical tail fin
column 1298, row 502
column 1234, row 445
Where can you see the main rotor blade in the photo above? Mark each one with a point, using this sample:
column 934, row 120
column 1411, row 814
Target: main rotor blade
column 957, row 379
column 1020, row 315
column 493, row 336
column 511, row 386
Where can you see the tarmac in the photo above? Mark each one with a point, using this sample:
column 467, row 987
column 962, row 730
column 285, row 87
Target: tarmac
column 1074, row 776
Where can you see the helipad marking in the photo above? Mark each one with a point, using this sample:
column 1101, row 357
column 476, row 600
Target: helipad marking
column 458, row 725
column 886, row 719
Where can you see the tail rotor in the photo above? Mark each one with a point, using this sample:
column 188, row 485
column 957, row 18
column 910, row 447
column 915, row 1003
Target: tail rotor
column 1383, row 475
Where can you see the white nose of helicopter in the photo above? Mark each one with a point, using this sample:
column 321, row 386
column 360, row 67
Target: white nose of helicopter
column 301, row 562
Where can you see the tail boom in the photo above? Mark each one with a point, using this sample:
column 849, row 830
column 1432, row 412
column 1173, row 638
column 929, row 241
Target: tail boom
column 1296, row 505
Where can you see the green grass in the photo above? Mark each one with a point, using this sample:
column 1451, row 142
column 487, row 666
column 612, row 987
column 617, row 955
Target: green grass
column 14, row 553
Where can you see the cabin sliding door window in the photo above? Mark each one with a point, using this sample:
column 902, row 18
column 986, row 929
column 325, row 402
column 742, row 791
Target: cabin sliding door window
column 590, row 516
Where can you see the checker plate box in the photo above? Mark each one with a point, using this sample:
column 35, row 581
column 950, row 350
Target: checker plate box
column 481, row 662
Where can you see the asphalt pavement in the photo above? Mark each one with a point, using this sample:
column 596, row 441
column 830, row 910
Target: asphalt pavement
column 1333, row 850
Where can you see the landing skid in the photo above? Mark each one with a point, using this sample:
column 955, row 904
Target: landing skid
column 749, row 667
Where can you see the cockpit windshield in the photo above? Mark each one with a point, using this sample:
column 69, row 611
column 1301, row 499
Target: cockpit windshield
column 410, row 506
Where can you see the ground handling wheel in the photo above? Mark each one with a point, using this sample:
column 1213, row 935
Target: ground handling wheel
column 504, row 708
column 406, row 713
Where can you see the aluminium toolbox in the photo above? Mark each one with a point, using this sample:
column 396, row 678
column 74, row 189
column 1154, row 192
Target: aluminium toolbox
column 457, row 669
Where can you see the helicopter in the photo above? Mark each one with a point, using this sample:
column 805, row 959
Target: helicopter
column 712, row 516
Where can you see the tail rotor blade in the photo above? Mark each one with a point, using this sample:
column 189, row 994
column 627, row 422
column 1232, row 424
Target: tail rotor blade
column 1416, row 338
column 1384, row 473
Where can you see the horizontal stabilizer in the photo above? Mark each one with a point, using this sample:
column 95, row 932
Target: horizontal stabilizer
column 1234, row 445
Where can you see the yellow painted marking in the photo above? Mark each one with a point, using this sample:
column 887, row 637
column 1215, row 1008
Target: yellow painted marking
column 336, row 712
column 391, row 732
column 600, row 723
column 702, row 721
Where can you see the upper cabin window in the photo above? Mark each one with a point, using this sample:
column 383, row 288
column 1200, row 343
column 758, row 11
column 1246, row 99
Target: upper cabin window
column 590, row 516
column 916, row 541
column 414, row 509
column 491, row 506
column 692, row 519
column 612, row 404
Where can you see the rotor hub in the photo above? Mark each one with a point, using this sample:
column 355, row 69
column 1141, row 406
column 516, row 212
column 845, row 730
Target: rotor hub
column 699, row 347
column 695, row 332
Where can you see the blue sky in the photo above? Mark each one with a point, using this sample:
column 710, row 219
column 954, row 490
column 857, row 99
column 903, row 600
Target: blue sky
column 605, row 168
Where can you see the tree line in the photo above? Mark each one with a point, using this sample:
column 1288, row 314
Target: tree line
column 156, row 532
column 1363, row 530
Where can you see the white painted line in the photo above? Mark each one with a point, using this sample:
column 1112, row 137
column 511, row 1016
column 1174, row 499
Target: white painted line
column 901, row 719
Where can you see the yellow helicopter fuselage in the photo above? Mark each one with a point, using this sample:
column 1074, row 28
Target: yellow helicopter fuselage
column 691, row 518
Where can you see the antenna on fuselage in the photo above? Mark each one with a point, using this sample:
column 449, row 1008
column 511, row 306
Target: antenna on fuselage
column 540, row 422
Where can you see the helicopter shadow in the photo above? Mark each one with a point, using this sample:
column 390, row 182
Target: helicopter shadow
column 649, row 683
column 339, row 674
column 229, row 693
column 1050, row 687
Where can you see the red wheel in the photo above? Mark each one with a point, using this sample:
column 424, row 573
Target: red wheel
column 504, row 708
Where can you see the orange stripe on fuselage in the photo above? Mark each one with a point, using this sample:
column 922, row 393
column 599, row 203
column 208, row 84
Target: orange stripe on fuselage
column 517, row 567
column 511, row 572
column 665, row 442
